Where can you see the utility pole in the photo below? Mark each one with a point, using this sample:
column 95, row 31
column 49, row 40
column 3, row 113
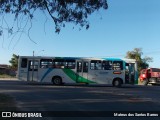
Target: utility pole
column 33, row 67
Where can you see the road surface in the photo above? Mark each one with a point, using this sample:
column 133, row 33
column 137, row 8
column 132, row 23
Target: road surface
column 46, row 97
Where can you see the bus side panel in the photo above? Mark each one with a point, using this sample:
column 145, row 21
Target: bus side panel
column 23, row 74
column 98, row 76
column 104, row 76
column 46, row 75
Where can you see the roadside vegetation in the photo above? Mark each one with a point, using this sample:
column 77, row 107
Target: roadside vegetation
column 6, row 76
column 143, row 62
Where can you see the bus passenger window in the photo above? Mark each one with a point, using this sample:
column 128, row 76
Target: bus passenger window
column 33, row 65
column 85, row 67
column 107, row 65
column 70, row 64
column 46, row 63
column 79, row 66
column 96, row 65
column 117, row 65
column 24, row 63
column 59, row 63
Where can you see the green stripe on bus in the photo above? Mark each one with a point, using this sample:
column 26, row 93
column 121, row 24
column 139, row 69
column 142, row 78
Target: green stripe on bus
column 76, row 77
column 70, row 73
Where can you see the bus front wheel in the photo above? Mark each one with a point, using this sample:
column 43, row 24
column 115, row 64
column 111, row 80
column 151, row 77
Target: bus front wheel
column 57, row 80
column 117, row 83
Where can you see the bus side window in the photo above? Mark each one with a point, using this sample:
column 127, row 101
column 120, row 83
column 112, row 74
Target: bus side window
column 107, row 65
column 70, row 64
column 79, row 66
column 96, row 65
column 33, row 65
column 24, row 63
column 59, row 63
column 117, row 65
column 85, row 67
column 46, row 63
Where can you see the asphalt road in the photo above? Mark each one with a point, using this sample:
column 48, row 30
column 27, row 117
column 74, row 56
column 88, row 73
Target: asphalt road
column 46, row 97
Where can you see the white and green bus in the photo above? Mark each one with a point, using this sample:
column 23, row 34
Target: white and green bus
column 60, row 70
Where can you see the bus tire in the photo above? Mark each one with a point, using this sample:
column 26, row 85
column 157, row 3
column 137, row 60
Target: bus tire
column 57, row 80
column 117, row 82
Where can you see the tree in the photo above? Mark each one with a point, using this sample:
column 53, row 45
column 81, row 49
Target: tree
column 61, row 11
column 136, row 54
column 14, row 61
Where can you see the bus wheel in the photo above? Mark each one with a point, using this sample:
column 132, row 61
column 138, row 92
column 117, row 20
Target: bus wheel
column 117, row 83
column 57, row 80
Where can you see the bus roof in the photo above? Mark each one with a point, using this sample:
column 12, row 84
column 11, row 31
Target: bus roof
column 87, row 58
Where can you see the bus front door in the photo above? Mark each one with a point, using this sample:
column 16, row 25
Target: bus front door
column 132, row 73
column 33, row 70
column 129, row 73
column 82, row 72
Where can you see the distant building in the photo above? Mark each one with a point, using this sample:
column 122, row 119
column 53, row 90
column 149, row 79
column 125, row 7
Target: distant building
column 5, row 69
column 4, row 66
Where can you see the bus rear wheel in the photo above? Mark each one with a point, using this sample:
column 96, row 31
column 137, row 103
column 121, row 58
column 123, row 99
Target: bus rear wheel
column 117, row 83
column 57, row 80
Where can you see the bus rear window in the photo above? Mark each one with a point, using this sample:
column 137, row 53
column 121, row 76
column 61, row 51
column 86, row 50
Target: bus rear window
column 24, row 63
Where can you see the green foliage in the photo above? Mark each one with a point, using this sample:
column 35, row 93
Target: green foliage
column 137, row 55
column 14, row 61
column 6, row 76
column 61, row 11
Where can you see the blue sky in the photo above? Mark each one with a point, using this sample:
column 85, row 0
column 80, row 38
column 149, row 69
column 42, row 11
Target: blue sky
column 127, row 24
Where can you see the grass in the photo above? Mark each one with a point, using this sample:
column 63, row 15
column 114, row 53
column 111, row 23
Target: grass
column 6, row 76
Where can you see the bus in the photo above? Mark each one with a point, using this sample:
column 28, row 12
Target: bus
column 61, row 70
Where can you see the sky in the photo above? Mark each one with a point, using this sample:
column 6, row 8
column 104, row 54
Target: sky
column 125, row 25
